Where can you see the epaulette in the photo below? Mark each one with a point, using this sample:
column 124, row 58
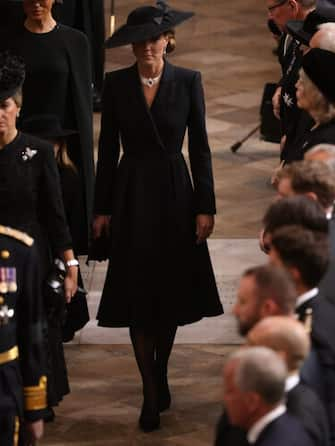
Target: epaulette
column 18, row 235
column 308, row 320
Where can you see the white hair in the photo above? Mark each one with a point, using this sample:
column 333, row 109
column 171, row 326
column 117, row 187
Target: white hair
column 329, row 150
column 326, row 35
column 321, row 109
column 260, row 370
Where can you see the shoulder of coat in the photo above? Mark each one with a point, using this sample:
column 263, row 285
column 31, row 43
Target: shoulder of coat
column 17, row 235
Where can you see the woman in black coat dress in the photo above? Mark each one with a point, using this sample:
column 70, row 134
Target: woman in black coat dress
column 48, row 127
column 160, row 275
column 316, row 95
column 31, row 200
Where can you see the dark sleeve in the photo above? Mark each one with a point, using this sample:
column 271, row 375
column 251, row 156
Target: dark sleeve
column 109, row 152
column 30, row 339
column 228, row 435
column 73, row 203
column 199, row 151
column 77, row 46
column 51, row 205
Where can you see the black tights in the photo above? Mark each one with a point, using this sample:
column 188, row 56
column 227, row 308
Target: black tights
column 152, row 351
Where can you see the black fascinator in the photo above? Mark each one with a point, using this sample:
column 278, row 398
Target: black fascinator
column 11, row 74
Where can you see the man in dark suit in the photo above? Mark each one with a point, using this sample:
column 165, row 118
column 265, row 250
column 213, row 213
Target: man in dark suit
column 22, row 360
column 304, row 255
column 314, row 179
column 254, row 390
column 289, row 339
column 263, row 291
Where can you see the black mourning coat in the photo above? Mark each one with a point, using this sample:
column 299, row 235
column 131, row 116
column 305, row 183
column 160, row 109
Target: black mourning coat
column 323, row 134
column 157, row 272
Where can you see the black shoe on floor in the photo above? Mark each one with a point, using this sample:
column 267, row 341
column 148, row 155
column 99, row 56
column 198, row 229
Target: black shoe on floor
column 149, row 420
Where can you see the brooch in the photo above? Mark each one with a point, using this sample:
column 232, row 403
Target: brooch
column 28, row 154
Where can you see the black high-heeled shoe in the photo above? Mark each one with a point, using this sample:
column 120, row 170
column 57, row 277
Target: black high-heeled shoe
column 164, row 395
column 149, row 420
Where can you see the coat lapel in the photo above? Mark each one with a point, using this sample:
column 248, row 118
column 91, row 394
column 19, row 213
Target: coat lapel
column 163, row 96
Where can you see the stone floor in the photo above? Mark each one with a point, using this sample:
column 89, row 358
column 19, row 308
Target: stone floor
column 229, row 43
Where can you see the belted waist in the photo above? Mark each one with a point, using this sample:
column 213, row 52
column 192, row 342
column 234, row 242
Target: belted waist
column 9, row 355
column 148, row 156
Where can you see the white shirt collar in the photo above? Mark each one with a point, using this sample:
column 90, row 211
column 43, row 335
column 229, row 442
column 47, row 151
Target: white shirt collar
column 255, row 430
column 291, row 382
column 306, row 296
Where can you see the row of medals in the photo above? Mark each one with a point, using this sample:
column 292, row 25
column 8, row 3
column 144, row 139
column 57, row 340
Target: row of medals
column 7, row 285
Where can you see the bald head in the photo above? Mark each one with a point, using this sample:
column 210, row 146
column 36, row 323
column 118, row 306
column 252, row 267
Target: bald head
column 284, row 335
column 324, row 38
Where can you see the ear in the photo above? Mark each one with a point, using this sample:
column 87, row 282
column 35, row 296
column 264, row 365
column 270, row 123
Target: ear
column 269, row 308
column 294, row 5
column 294, row 273
column 253, row 401
column 311, row 196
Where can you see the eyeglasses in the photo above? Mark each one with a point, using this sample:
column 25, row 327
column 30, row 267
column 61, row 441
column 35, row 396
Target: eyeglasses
column 277, row 5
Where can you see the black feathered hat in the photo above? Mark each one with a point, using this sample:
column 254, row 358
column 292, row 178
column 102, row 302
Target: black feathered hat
column 46, row 127
column 319, row 65
column 147, row 22
column 303, row 30
column 11, row 74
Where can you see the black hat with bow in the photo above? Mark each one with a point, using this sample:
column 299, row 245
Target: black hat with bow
column 147, row 22
column 11, row 75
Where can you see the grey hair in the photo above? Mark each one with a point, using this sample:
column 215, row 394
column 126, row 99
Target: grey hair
column 323, row 110
column 260, row 370
column 329, row 149
column 307, row 4
column 327, row 36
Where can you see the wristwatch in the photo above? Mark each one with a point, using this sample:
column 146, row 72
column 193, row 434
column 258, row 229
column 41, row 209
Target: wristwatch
column 72, row 262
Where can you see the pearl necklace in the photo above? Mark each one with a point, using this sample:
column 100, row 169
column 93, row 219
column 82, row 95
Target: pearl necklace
column 150, row 81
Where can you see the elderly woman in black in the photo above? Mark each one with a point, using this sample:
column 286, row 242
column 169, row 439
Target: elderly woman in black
column 160, row 275
column 31, row 200
column 316, row 95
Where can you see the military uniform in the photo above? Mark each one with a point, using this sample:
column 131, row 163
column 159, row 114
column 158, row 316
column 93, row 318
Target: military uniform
column 22, row 362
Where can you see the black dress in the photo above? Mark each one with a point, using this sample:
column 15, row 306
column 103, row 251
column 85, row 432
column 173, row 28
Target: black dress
column 157, row 273
column 323, row 134
column 30, row 200
column 58, row 82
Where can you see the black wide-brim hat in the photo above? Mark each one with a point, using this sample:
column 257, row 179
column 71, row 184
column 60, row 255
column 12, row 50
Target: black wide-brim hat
column 147, row 22
column 45, row 127
column 319, row 65
column 304, row 30
column 12, row 75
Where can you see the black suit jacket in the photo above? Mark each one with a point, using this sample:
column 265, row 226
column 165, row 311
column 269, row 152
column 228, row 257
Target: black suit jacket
column 327, row 284
column 302, row 402
column 284, row 431
column 323, row 348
